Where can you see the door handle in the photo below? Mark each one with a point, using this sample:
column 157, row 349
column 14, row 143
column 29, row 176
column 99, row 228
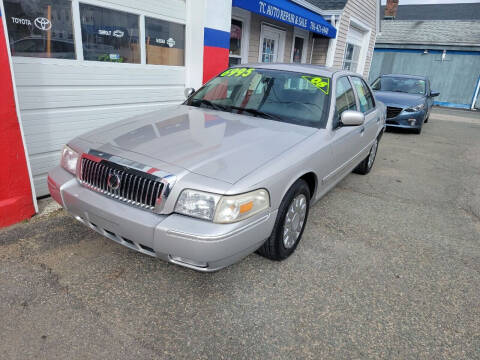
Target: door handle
column 362, row 129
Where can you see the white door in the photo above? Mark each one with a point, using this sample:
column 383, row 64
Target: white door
column 272, row 45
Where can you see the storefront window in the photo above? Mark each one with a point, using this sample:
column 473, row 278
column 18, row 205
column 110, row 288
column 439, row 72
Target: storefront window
column 109, row 35
column 352, row 53
column 298, row 49
column 40, row 28
column 165, row 42
column 236, row 31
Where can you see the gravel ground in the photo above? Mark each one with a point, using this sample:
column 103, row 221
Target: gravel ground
column 389, row 267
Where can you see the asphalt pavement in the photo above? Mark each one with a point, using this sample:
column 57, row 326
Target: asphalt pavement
column 388, row 268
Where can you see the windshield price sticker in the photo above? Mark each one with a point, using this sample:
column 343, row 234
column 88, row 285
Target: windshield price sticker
column 243, row 72
column 319, row 82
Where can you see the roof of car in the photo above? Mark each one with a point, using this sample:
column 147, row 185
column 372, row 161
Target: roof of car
column 405, row 76
column 301, row 68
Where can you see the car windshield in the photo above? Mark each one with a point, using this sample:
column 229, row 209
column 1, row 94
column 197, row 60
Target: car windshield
column 285, row 96
column 399, row 84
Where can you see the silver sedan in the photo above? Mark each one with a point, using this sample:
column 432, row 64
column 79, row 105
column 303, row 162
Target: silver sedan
column 232, row 170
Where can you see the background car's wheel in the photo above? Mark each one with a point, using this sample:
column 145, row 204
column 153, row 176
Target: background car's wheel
column 290, row 223
column 366, row 165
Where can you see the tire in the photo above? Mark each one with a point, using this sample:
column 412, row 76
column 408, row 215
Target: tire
column 426, row 120
column 418, row 131
column 279, row 246
column 366, row 165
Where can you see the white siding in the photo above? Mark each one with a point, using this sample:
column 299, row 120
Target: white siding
column 61, row 99
column 174, row 9
column 366, row 12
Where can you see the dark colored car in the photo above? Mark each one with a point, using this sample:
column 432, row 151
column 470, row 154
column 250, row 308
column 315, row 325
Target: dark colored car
column 409, row 100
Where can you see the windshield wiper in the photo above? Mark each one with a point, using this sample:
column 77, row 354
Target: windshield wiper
column 256, row 112
column 212, row 104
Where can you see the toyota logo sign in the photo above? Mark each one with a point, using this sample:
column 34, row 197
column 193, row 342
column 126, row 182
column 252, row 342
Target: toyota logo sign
column 43, row 23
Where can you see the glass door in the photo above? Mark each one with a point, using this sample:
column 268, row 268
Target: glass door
column 272, row 45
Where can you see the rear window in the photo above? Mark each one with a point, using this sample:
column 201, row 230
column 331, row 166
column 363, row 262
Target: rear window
column 400, row 84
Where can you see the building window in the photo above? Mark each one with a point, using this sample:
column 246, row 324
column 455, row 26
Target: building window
column 165, row 42
column 236, row 34
column 109, row 35
column 298, row 45
column 352, row 54
column 40, row 28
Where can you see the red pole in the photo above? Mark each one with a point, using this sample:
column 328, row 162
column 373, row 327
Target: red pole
column 16, row 200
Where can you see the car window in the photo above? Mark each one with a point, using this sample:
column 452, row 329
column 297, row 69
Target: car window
column 345, row 99
column 286, row 96
column 364, row 94
column 400, row 84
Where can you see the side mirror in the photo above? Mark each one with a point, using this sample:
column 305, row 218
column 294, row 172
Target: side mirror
column 434, row 93
column 352, row 118
column 188, row 92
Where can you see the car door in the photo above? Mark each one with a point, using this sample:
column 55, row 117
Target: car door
column 346, row 140
column 367, row 106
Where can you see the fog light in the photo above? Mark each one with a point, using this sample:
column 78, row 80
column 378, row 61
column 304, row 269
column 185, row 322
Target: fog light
column 188, row 262
column 412, row 122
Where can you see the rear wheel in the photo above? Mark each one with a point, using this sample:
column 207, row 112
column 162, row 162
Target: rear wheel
column 290, row 224
column 366, row 165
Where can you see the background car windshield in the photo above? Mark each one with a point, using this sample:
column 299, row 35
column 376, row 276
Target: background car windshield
column 398, row 84
column 292, row 97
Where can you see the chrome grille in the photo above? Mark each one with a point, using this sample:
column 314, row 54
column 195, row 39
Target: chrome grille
column 393, row 112
column 134, row 187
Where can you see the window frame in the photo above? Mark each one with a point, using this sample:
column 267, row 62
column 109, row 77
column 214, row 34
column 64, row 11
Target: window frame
column 36, row 58
column 374, row 105
column 356, row 62
column 303, row 35
column 77, row 36
column 357, row 101
column 244, row 17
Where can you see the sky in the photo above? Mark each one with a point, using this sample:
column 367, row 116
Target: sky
column 420, row 2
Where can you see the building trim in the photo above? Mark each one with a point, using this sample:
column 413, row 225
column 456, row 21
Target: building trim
column 216, row 38
column 430, row 51
column 17, row 108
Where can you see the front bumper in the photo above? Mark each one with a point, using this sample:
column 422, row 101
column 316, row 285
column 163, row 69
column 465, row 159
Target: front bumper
column 179, row 239
column 413, row 120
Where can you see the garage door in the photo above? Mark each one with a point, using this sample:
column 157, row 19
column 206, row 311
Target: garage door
column 82, row 64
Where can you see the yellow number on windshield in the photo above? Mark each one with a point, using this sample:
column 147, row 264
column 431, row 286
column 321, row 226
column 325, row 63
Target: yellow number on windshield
column 243, row 72
column 319, row 82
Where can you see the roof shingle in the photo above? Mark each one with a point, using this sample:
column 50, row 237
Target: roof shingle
column 432, row 32
column 461, row 11
column 329, row 4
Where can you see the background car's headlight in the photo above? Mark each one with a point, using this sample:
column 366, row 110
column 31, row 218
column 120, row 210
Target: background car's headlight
column 416, row 108
column 197, row 204
column 239, row 207
column 222, row 209
column 69, row 159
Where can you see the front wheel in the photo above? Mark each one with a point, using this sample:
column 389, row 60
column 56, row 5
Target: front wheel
column 366, row 165
column 290, row 223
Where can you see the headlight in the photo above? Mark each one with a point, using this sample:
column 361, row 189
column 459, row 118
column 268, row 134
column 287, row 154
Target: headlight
column 197, row 204
column 239, row 207
column 222, row 209
column 416, row 108
column 69, row 159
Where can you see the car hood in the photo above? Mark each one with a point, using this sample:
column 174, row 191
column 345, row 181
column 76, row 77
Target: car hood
column 398, row 99
column 220, row 145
